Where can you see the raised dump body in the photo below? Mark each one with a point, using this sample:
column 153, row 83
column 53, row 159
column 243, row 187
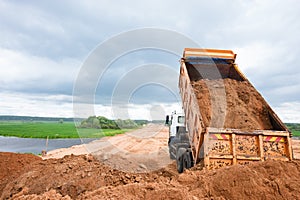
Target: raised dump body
column 228, row 121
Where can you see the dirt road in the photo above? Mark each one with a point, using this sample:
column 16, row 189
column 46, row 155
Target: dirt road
column 141, row 150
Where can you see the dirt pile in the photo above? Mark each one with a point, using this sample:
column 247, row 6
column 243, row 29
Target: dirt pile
column 82, row 177
column 71, row 176
column 12, row 165
column 241, row 106
column 261, row 180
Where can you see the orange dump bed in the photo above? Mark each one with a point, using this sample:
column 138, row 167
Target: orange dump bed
column 228, row 121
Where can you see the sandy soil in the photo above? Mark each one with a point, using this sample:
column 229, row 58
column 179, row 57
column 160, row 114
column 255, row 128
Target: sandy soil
column 141, row 150
column 26, row 176
column 241, row 106
column 83, row 177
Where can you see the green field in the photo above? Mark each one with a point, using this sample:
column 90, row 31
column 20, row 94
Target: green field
column 296, row 133
column 53, row 130
column 68, row 130
column 295, row 128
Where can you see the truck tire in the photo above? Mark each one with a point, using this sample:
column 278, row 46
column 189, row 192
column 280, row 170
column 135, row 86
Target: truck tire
column 188, row 163
column 179, row 162
column 172, row 147
column 180, row 159
column 172, row 157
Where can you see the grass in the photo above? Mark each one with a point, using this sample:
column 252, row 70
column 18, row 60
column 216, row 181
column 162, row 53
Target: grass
column 296, row 133
column 53, row 130
column 295, row 128
column 64, row 130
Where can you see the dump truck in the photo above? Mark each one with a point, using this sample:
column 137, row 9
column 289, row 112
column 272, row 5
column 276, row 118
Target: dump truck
column 225, row 120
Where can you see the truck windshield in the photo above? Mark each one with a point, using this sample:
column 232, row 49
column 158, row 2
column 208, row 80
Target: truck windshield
column 181, row 119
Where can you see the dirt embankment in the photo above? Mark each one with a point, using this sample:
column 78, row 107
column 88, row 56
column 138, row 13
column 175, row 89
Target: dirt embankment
column 12, row 165
column 241, row 105
column 83, row 177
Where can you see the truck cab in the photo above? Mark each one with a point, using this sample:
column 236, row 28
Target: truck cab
column 178, row 141
column 175, row 121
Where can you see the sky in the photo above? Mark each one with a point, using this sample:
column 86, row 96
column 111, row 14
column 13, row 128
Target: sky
column 45, row 45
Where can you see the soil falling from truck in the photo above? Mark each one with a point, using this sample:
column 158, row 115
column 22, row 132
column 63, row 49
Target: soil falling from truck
column 244, row 109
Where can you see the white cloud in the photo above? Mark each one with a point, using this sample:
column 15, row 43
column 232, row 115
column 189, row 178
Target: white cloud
column 23, row 72
column 61, row 106
column 36, row 105
column 289, row 112
column 148, row 111
column 42, row 46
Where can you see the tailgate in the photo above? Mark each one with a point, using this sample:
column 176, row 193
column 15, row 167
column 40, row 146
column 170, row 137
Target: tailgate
column 228, row 147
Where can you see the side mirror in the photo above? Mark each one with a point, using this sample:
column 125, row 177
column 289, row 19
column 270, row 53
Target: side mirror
column 167, row 119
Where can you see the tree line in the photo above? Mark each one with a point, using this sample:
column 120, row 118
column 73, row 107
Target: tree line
column 293, row 126
column 30, row 119
column 105, row 123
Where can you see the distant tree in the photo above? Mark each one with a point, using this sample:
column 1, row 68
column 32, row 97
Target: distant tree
column 128, row 123
column 95, row 123
column 107, row 123
column 104, row 123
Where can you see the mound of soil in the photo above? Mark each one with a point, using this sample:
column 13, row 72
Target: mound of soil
column 71, row 176
column 12, row 165
column 83, row 177
column 228, row 103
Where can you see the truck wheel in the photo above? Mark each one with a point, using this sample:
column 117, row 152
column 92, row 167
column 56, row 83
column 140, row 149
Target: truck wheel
column 179, row 162
column 180, row 159
column 188, row 160
column 172, row 148
column 172, row 157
